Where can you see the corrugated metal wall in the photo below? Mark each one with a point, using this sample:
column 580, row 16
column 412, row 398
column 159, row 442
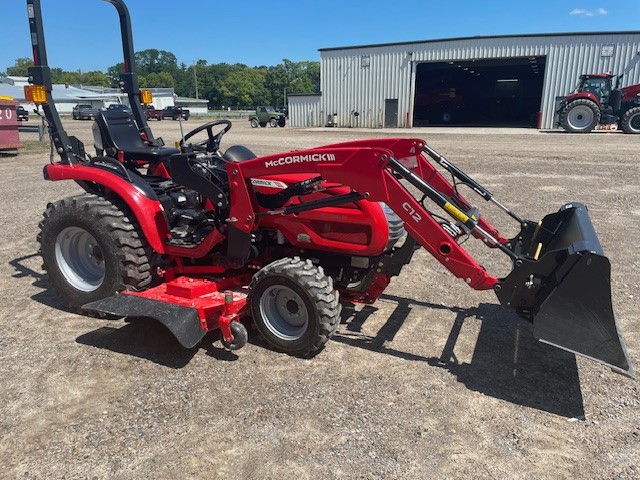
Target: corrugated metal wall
column 305, row 111
column 359, row 79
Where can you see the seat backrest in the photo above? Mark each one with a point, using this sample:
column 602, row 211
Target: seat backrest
column 115, row 131
column 119, row 132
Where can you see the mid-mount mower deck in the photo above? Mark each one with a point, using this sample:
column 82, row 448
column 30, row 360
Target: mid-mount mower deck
column 200, row 238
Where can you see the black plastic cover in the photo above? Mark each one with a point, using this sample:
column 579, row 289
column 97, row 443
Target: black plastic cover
column 183, row 322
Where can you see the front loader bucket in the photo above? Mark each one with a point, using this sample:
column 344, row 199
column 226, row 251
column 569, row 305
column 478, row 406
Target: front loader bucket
column 563, row 282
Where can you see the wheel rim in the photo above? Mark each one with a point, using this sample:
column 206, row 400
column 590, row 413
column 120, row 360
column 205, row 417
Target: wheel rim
column 580, row 117
column 634, row 122
column 80, row 259
column 284, row 312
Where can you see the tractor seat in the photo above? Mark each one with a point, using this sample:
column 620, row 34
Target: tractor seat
column 115, row 131
column 238, row 153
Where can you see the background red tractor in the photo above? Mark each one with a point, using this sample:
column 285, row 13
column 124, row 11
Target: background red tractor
column 595, row 101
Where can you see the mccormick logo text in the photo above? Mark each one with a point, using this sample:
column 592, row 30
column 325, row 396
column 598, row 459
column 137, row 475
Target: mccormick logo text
column 313, row 157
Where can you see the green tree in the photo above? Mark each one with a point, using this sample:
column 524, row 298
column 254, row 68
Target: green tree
column 159, row 80
column 292, row 77
column 70, row 78
column 155, row 61
column 96, row 79
column 244, row 87
column 113, row 73
column 20, row 68
column 222, row 83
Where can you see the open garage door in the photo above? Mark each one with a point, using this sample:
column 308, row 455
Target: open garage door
column 505, row 92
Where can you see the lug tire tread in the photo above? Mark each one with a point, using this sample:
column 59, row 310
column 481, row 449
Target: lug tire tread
column 625, row 121
column 319, row 287
column 564, row 114
column 132, row 254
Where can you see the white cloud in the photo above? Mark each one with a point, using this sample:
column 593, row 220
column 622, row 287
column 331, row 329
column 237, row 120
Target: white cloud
column 581, row 12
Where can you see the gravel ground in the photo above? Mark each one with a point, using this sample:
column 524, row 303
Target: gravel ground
column 434, row 380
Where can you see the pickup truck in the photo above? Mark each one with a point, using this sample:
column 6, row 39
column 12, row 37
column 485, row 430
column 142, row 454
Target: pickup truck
column 175, row 112
column 84, row 111
column 153, row 112
column 23, row 115
column 267, row 115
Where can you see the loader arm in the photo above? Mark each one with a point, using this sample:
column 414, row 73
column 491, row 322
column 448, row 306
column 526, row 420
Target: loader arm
column 371, row 172
column 560, row 277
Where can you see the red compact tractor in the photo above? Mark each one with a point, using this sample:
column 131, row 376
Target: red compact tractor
column 595, row 102
column 200, row 237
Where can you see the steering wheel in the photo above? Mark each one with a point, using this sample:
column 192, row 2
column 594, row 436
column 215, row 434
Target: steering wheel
column 212, row 144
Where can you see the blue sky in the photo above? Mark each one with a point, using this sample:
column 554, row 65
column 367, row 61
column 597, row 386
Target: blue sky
column 83, row 34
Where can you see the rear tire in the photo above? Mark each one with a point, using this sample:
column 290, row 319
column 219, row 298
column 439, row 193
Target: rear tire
column 630, row 121
column 92, row 248
column 254, row 123
column 580, row 116
column 294, row 306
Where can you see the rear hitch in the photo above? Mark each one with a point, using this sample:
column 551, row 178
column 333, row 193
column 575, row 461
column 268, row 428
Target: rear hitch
column 234, row 334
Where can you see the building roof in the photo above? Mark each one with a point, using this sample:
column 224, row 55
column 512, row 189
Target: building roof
column 13, row 80
column 482, row 37
column 61, row 93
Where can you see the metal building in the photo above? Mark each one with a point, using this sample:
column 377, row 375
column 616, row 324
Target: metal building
column 507, row 80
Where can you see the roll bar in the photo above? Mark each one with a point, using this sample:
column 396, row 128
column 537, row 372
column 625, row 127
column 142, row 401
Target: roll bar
column 129, row 79
column 40, row 74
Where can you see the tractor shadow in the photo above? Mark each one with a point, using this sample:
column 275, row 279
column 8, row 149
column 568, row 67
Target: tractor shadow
column 508, row 362
column 150, row 340
column 47, row 295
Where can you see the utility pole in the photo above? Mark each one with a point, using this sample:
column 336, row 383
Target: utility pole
column 195, row 78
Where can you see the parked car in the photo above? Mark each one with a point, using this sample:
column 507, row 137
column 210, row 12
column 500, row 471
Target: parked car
column 21, row 112
column 153, row 112
column 84, row 111
column 267, row 115
column 119, row 106
column 175, row 113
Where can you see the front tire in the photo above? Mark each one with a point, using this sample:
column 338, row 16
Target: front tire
column 273, row 123
column 630, row 121
column 91, row 249
column 294, row 305
column 580, row 116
